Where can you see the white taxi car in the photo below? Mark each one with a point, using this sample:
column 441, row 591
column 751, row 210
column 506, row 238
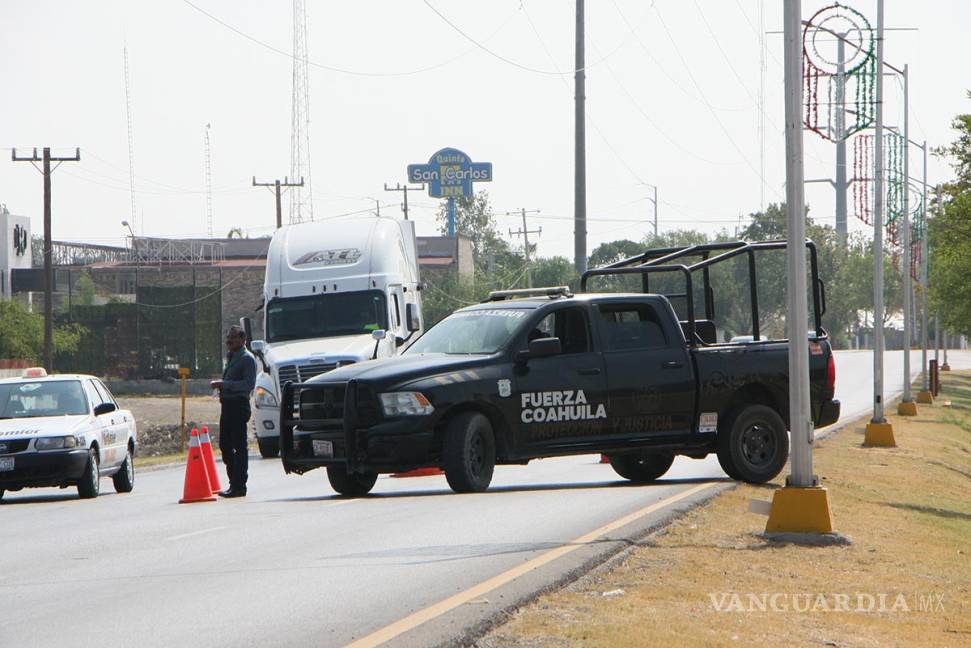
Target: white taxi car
column 63, row 430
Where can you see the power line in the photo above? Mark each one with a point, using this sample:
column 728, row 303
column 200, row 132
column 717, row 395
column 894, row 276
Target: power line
column 278, row 186
column 332, row 68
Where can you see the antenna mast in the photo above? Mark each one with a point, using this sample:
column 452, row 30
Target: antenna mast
column 301, row 203
column 131, row 145
column 208, row 183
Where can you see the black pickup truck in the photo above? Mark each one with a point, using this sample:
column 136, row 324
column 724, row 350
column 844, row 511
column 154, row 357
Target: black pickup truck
column 540, row 373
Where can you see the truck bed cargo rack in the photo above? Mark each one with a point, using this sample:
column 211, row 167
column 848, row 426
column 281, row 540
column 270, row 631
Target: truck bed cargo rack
column 671, row 259
column 552, row 292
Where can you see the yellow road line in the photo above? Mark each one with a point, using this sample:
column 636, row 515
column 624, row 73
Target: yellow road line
column 414, row 620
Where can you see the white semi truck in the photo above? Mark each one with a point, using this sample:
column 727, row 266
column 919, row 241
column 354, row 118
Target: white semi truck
column 335, row 293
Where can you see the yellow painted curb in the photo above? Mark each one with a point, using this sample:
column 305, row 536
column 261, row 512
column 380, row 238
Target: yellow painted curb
column 907, row 409
column 800, row 510
column 925, row 398
column 879, row 435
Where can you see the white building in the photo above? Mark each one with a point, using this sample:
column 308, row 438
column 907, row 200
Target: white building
column 15, row 249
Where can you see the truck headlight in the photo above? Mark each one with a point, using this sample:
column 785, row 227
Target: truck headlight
column 405, row 404
column 56, row 443
column 265, row 398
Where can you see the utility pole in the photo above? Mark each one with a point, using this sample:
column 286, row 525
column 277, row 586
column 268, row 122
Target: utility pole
column 925, row 394
column 580, row 152
column 525, row 232
column 841, row 185
column 403, row 188
column 653, row 200
column 277, row 189
column 46, row 170
column 801, row 506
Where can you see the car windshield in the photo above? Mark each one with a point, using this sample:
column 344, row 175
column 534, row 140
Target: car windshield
column 472, row 332
column 319, row 316
column 42, row 398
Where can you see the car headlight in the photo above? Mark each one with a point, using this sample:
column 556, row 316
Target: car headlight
column 405, row 404
column 265, row 398
column 56, row 443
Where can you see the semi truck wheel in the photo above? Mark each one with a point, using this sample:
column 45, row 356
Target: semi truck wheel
column 350, row 484
column 754, row 446
column 269, row 447
column 641, row 467
column 470, row 453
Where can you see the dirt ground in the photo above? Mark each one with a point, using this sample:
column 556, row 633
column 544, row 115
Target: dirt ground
column 711, row 579
column 157, row 418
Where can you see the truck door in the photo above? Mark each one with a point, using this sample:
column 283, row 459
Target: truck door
column 396, row 318
column 649, row 380
column 559, row 401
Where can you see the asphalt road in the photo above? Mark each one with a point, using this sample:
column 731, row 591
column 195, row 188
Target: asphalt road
column 294, row 565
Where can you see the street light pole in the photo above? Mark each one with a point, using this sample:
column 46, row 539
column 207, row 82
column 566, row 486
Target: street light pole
column 801, row 506
column 878, row 431
column 907, row 407
column 924, row 396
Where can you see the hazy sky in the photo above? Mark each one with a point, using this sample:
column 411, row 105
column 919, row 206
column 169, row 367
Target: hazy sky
column 672, row 92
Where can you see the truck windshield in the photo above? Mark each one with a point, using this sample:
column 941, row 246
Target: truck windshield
column 318, row 316
column 42, row 398
column 471, row 332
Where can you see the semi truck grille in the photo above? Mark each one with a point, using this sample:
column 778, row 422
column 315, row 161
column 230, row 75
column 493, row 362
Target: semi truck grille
column 304, row 372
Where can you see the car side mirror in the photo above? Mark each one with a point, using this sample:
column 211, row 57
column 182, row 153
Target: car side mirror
column 412, row 317
column 541, row 348
column 104, row 408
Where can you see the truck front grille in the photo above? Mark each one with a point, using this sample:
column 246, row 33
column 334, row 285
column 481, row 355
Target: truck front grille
column 299, row 373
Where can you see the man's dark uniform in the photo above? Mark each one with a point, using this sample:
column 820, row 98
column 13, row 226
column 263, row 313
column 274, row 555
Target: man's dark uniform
column 239, row 379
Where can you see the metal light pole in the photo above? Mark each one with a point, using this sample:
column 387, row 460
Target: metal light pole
column 580, row 152
column 907, row 406
column 925, row 394
column 840, row 185
column 801, row 506
column 653, row 200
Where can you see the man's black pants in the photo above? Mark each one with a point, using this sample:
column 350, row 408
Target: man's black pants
column 233, row 418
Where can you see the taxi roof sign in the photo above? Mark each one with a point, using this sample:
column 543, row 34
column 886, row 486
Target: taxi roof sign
column 34, row 372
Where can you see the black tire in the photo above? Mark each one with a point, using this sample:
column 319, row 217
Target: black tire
column 1, row 493
column 90, row 483
column 641, row 467
column 350, row 484
column 754, row 445
column 269, row 447
column 124, row 479
column 470, row 453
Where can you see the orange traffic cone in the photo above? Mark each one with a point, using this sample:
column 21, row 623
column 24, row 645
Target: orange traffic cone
column 206, row 444
column 196, row 488
column 420, row 472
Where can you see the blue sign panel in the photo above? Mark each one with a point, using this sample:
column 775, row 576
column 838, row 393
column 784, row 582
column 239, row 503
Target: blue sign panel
column 450, row 174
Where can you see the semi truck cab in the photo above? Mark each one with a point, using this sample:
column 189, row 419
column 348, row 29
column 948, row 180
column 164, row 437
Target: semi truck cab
column 335, row 293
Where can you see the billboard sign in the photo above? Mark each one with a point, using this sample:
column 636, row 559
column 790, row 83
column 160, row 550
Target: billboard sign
column 450, row 173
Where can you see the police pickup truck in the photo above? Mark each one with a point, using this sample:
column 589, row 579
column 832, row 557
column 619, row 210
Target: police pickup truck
column 63, row 430
column 540, row 373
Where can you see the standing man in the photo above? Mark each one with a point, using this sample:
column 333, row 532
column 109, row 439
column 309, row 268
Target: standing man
column 235, row 389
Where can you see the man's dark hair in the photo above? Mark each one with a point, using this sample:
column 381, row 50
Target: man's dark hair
column 236, row 331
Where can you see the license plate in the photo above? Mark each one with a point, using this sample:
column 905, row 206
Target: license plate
column 323, row 448
column 6, row 463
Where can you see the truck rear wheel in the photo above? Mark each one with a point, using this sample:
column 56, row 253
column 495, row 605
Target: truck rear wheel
column 470, row 453
column 350, row 484
column 754, row 445
column 269, row 447
column 641, row 467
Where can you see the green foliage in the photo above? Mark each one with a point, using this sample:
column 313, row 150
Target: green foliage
column 85, row 289
column 23, row 333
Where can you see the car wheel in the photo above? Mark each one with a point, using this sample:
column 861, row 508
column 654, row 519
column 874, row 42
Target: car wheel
column 469, row 453
column 124, row 479
column 90, row 483
column 1, row 493
column 269, row 448
column 754, row 446
column 641, row 467
column 350, row 484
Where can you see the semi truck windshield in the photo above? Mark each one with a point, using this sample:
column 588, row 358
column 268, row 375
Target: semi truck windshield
column 318, row 316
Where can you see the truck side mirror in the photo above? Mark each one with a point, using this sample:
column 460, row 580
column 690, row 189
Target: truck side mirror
column 258, row 347
column 412, row 317
column 378, row 334
column 541, row 348
column 247, row 325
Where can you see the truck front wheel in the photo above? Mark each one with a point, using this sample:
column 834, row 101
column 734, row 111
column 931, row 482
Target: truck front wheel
column 350, row 484
column 641, row 467
column 470, row 453
column 754, row 445
column 269, row 446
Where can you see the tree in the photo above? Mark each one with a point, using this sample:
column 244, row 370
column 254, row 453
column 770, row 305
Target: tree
column 23, row 333
column 474, row 218
column 85, row 288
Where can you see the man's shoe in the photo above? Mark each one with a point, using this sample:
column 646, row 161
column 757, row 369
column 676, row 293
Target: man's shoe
column 232, row 493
